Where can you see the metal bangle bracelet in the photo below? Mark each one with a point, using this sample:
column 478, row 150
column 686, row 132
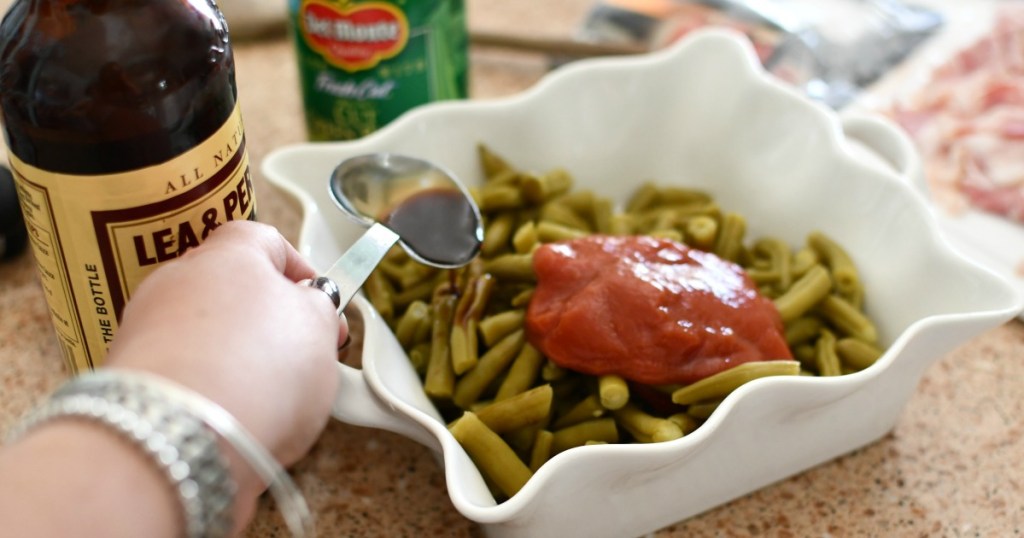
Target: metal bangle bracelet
column 289, row 499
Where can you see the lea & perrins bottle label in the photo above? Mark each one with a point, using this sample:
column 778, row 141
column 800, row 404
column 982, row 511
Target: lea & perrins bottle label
column 126, row 144
column 363, row 63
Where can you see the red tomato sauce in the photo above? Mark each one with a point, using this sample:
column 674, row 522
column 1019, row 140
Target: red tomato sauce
column 650, row 310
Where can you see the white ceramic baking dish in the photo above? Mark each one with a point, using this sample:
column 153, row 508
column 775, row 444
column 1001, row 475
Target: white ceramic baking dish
column 702, row 114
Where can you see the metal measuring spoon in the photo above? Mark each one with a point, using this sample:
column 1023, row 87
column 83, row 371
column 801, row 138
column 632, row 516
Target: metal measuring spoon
column 404, row 200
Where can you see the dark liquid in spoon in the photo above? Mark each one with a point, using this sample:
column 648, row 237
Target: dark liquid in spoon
column 439, row 225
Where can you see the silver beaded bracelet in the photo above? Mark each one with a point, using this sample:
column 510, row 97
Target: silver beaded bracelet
column 178, row 429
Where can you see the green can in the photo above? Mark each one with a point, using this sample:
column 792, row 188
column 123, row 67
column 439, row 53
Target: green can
column 363, row 63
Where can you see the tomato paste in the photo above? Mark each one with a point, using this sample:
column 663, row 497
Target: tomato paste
column 651, row 310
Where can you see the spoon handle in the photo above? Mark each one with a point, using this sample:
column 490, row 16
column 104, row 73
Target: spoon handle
column 356, row 264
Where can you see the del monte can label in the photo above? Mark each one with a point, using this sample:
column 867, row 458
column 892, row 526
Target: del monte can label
column 364, row 63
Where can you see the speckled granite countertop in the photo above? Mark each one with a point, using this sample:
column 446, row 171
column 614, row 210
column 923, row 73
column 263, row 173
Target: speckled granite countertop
column 951, row 467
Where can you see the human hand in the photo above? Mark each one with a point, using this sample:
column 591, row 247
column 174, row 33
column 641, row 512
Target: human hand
column 228, row 321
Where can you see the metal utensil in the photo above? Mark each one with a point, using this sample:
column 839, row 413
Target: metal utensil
column 403, row 200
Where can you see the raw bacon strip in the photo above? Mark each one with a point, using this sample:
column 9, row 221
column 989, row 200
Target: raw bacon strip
column 968, row 123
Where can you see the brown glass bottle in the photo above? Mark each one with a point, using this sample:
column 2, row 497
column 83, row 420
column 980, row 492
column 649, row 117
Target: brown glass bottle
column 126, row 144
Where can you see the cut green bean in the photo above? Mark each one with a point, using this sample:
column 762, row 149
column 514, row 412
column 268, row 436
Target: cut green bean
column 564, row 215
column 549, row 232
column 586, row 409
column 518, row 411
column 802, row 329
column 522, row 374
column 838, row 261
column 613, row 390
column 808, row 290
column 643, row 198
column 601, row 429
column 825, row 355
column 515, row 267
column 413, row 324
column 541, row 188
column 655, row 429
column 724, row 382
column 439, row 381
column 729, row 244
column 701, row 232
column 494, row 328
column 847, row 319
column 498, row 233
column 541, row 451
column 525, row 237
column 492, row 455
column 500, row 196
column 470, row 386
column 491, row 163
column 857, row 353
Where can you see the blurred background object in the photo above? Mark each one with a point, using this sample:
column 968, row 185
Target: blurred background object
column 255, row 19
column 831, row 49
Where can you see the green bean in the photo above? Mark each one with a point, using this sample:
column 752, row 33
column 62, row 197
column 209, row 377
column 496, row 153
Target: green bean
column 498, row 232
column 613, row 391
column 413, row 272
column 494, row 328
column 392, row 270
column 685, row 422
column 439, row 381
column 541, row 451
column 549, row 232
column 845, row 317
column 518, row 411
column 470, row 386
column 721, row 384
column 468, row 311
column 857, row 353
column 655, row 429
column 622, row 224
column 495, row 459
column 581, row 203
column 844, row 273
column 515, row 267
column 586, row 409
column 380, row 292
column 826, row 358
column 498, row 196
column 562, row 214
column 419, row 356
column 802, row 330
column 779, row 257
column 541, row 188
column 805, row 353
column 703, row 410
column 552, row 372
column 522, row 298
column 803, row 261
column 729, row 244
column 601, row 429
column 490, row 162
column 643, row 198
column 522, row 374
column 808, row 290
column 671, row 235
column 419, row 292
column 603, row 215
column 525, row 237
column 681, row 195
column 701, row 232
column 414, row 324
